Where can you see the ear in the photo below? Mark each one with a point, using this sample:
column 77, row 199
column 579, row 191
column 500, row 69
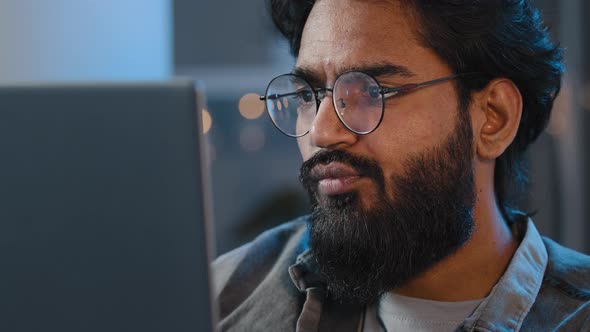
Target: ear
column 501, row 104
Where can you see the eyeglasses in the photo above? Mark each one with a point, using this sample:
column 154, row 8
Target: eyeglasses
column 358, row 98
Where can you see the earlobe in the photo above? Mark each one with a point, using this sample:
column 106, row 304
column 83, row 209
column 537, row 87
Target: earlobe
column 502, row 108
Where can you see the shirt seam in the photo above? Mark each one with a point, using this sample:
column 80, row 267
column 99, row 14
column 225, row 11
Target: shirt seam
column 567, row 288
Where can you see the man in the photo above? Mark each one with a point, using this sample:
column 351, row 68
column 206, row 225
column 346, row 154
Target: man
column 411, row 117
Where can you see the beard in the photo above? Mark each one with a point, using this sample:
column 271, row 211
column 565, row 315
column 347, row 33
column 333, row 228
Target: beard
column 364, row 252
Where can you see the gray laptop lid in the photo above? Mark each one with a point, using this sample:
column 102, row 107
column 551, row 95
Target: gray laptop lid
column 102, row 209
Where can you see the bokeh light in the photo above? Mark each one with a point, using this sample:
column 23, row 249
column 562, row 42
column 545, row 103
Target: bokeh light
column 252, row 138
column 207, row 121
column 250, row 106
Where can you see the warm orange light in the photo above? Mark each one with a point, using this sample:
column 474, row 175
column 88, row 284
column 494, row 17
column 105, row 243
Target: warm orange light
column 251, row 107
column 207, row 121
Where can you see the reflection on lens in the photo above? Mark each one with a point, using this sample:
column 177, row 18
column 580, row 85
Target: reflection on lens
column 295, row 108
column 358, row 102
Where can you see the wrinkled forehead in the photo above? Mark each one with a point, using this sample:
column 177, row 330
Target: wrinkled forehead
column 340, row 34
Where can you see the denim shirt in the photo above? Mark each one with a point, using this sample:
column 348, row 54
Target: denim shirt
column 272, row 284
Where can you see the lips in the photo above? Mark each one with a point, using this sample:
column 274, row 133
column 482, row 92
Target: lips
column 335, row 178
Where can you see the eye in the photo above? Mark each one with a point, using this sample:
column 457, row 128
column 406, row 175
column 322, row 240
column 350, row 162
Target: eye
column 370, row 90
column 305, row 94
column 374, row 91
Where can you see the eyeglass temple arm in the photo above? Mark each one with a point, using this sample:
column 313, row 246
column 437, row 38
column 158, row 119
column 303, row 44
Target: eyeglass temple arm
column 277, row 96
column 413, row 86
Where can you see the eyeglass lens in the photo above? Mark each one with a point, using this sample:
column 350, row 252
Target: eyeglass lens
column 358, row 102
column 292, row 106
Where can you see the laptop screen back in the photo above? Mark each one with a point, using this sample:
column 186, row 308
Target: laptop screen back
column 103, row 215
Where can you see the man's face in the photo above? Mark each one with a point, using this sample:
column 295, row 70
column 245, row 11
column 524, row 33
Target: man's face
column 390, row 204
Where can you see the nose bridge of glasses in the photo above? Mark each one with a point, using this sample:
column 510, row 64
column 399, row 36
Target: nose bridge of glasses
column 326, row 128
column 321, row 93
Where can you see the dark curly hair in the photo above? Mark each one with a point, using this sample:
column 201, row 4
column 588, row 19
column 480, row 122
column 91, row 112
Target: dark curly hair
column 498, row 38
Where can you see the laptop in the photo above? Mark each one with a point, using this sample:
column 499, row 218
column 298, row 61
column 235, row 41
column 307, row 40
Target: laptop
column 104, row 208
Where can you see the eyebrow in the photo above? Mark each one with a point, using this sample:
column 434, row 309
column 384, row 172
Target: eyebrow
column 374, row 69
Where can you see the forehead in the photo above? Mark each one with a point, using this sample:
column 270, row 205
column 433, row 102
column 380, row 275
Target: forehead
column 341, row 34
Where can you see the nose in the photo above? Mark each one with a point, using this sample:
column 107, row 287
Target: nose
column 327, row 131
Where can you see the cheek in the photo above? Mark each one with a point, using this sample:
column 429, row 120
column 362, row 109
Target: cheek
column 399, row 138
column 421, row 123
column 402, row 136
column 305, row 148
column 426, row 133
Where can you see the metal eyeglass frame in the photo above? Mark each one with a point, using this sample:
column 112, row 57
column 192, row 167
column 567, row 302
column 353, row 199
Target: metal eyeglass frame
column 320, row 93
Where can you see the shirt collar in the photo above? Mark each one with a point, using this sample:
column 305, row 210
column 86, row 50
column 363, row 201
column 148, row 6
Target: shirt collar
column 305, row 272
column 507, row 304
column 514, row 294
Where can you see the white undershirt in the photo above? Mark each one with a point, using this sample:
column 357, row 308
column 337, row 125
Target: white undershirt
column 401, row 313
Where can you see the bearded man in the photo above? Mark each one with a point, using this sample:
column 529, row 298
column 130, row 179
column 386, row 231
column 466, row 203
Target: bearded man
column 411, row 118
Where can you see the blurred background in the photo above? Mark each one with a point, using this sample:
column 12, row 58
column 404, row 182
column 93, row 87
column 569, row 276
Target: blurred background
column 232, row 47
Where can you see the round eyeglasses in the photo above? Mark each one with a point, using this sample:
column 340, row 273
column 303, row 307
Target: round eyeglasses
column 358, row 98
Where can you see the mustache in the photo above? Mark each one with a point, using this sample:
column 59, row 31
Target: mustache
column 364, row 166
